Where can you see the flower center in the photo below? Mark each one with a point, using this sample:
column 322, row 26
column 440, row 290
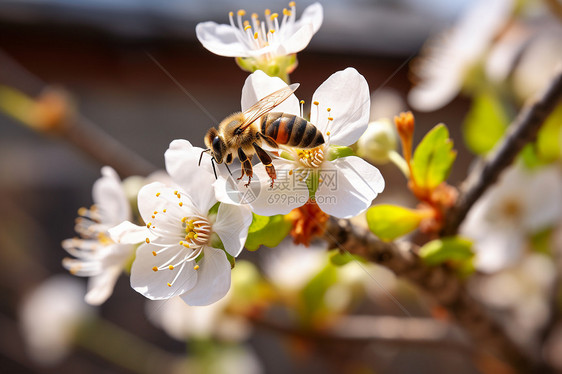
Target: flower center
column 197, row 231
column 311, row 158
column 257, row 34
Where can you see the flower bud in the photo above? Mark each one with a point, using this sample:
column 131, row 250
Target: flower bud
column 378, row 141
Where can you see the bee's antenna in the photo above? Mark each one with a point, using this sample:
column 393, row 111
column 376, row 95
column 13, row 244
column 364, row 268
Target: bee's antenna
column 227, row 168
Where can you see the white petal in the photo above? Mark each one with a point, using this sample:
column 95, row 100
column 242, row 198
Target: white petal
column 297, row 41
column 543, row 199
column 213, row 280
column 258, row 85
column 346, row 93
column 100, row 287
column 110, row 198
column 431, row 95
column 182, row 163
column 287, row 193
column 349, row 186
column 232, row 227
column 154, row 284
column 499, row 249
column 220, row 39
column 312, row 15
column 129, row 233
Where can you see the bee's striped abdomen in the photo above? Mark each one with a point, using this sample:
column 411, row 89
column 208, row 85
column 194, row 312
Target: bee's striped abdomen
column 291, row 130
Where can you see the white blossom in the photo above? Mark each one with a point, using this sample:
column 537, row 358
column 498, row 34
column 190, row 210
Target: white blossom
column 97, row 255
column 521, row 204
column 50, row 315
column 347, row 185
column 180, row 254
column 268, row 39
column 449, row 57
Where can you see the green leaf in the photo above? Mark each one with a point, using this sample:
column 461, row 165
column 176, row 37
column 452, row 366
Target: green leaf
column 389, row 222
column 529, row 156
column 549, row 138
column 339, row 259
column 337, row 151
column 268, row 231
column 485, row 123
column 312, row 295
column 454, row 249
column 433, row 158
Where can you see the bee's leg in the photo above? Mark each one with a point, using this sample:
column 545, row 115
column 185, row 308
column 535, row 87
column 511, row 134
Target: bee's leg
column 246, row 166
column 268, row 140
column 266, row 161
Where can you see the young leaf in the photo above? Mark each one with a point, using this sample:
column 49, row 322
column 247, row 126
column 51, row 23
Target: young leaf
column 389, row 222
column 485, row 123
column 268, row 231
column 549, row 138
column 339, row 259
column 455, row 249
column 433, row 158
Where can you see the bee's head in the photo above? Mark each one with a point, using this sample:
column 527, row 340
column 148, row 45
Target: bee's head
column 216, row 145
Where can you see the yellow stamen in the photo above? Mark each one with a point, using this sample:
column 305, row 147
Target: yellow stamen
column 292, row 4
column 242, row 12
column 274, row 16
column 328, row 133
column 267, row 12
column 147, row 240
column 329, row 110
column 286, row 12
column 302, row 101
column 316, row 103
column 154, row 253
column 330, row 118
column 149, row 224
column 256, row 35
column 169, row 284
column 157, row 194
column 254, row 15
column 82, row 211
column 196, row 267
column 155, row 268
column 171, row 267
column 247, row 27
column 181, row 204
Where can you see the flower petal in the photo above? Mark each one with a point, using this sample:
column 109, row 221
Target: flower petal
column 296, row 42
column 129, row 233
column 110, row 198
column 498, row 249
column 182, row 163
column 232, row 227
column 100, row 287
column 258, row 85
column 349, row 186
column 220, row 39
column 287, row 193
column 346, row 93
column 154, row 284
column 312, row 15
column 213, row 280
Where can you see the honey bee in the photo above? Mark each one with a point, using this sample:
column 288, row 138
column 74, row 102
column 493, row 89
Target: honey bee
column 242, row 135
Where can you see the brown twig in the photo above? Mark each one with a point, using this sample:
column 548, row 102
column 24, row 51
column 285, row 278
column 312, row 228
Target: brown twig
column 523, row 130
column 386, row 330
column 439, row 282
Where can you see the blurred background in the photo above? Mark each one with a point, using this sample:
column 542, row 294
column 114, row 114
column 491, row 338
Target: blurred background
column 99, row 52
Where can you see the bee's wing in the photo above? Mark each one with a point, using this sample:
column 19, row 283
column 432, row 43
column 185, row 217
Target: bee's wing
column 267, row 104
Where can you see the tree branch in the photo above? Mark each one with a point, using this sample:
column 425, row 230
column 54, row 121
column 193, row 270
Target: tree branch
column 386, row 330
column 523, row 130
column 439, row 282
